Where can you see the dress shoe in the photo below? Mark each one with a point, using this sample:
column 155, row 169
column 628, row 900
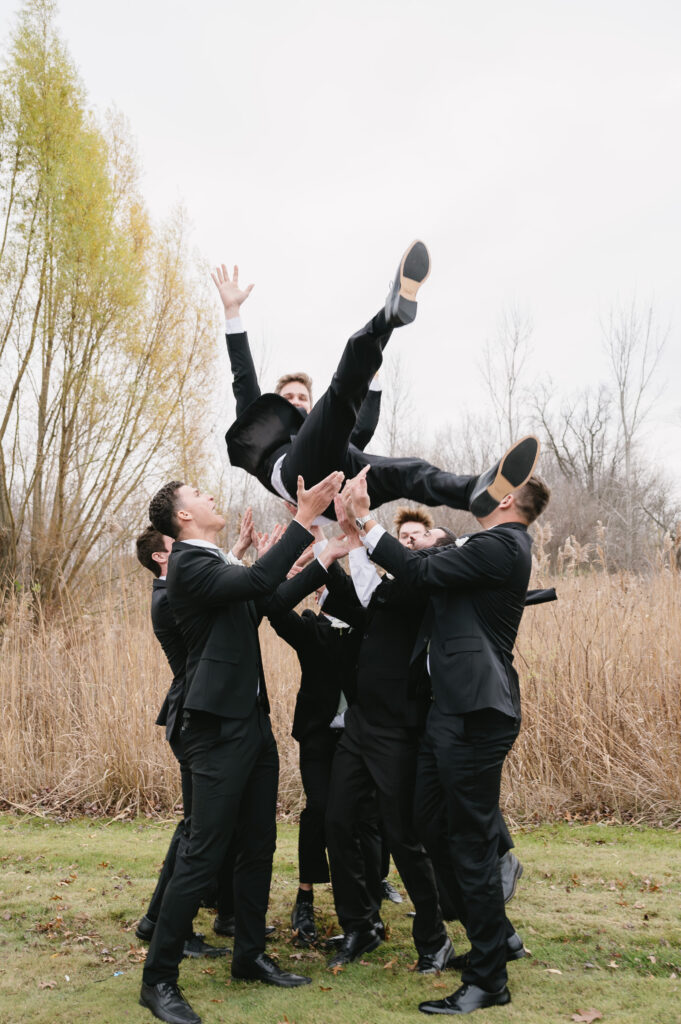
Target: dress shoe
column 511, row 870
column 514, row 951
column 333, row 941
column 225, row 926
column 433, row 963
column 166, row 1002
column 508, row 474
column 302, row 922
column 379, row 928
column 263, row 968
column 145, row 928
column 196, row 947
column 414, row 268
column 466, row 999
column 354, row 944
column 389, row 892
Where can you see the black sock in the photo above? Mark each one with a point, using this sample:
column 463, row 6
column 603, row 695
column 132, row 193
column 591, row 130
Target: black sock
column 305, row 896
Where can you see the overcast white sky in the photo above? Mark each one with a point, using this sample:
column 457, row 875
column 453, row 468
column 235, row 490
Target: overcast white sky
column 534, row 145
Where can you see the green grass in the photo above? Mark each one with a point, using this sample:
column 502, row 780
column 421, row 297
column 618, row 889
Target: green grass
column 598, row 906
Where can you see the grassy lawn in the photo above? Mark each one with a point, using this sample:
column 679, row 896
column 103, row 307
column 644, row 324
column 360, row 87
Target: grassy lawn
column 599, row 907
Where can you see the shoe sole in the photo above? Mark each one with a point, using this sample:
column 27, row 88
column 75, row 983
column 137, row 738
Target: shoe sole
column 212, row 954
column 413, row 271
column 513, row 471
column 276, row 984
column 516, row 879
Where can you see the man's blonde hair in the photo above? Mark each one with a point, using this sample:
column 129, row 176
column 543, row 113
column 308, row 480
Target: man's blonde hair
column 292, row 378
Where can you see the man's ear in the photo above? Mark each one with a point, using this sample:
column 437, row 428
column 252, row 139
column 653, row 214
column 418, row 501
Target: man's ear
column 159, row 556
column 507, row 501
column 184, row 515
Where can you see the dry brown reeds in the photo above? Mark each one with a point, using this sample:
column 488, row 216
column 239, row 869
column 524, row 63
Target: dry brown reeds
column 600, row 676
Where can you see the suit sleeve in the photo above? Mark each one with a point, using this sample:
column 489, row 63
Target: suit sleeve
column 541, row 596
column 486, row 560
column 209, row 581
column 244, row 378
column 342, row 601
column 291, row 592
column 367, row 420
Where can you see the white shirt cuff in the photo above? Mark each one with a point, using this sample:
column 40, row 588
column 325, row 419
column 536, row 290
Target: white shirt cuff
column 318, row 547
column 232, row 559
column 371, row 539
column 322, row 564
column 234, row 326
column 375, row 384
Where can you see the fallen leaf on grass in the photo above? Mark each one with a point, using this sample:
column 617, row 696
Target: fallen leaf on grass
column 336, row 970
column 324, row 988
column 613, row 965
column 47, row 984
column 587, row 1016
column 217, row 1000
column 652, row 958
column 7, row 916
column 553, row 970
column 390, row 963
column 439, row 984
column 207, row 970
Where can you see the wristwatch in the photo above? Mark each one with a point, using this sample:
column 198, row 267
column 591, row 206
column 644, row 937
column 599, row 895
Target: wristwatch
column 361, row 522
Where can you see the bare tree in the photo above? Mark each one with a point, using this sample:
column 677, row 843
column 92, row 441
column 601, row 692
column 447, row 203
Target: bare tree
column 504, row 363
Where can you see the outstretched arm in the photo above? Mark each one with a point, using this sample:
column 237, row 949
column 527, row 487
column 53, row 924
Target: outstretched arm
column 244, row 378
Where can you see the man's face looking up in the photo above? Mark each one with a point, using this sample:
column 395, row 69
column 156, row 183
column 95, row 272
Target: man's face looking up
column 297, row 394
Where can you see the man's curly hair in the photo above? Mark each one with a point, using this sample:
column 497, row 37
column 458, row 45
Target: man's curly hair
column 162, row 509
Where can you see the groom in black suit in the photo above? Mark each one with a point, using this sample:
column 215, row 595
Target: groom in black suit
column 226, row 732
column 477, row 593
column 278, row 437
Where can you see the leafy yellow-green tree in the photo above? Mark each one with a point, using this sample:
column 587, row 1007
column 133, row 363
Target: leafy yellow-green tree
column 103, row 330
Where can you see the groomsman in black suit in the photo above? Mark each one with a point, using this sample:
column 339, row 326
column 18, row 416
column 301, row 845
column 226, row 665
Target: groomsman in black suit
column 327, row 652
column 226, row 732
column 277, row 437
column 478, row 591
column 153, row 550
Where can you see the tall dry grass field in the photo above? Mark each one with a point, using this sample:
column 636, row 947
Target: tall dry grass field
column 601, row 687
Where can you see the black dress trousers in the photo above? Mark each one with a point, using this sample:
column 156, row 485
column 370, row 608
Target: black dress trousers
column 235, row 773
column 469, row 751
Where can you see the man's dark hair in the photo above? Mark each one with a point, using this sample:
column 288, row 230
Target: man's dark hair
column 148, row 542
column 412, row 515
column 162, row 509
column 532, row 498
column 449, row 537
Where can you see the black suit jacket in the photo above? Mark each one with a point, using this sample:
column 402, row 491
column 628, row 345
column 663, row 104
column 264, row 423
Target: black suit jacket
column 327, row 654
column 168, row 634
column 391, row 688
column 213, row 604
column 477, row 595
column 266, row 424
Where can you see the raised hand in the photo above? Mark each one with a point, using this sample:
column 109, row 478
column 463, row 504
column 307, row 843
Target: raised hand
column 268, row 540
column 346, row 521
column 336, row 548
column 231, row 294
column 245, row 538
column 312, row 502
column 357, row 494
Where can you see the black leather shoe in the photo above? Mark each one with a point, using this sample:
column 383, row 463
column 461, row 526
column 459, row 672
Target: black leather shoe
column 514, row 951
column 196, row 947
column 414, row 268
column 225, row 926
column 354, row 944
column 511, row 870
column 302, row 923
column 379, row 928
column 166, row 1002
column 510, row 472
column 263, row 968
column 389, row 892
column 466, row 999
column 433, row 963
column 145, row 929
